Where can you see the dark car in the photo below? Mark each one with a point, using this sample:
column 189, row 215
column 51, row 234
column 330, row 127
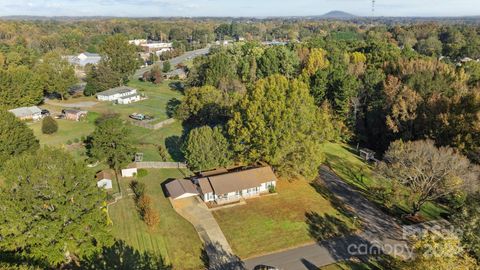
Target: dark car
column 45, row 112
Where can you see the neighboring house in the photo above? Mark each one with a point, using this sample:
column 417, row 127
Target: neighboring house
column 28, row 113
column 156, row 47
column 74, row 115
column 181, row 188
column 177, row 73
column 225, row 186
column 130, row 171
column 120, row 95
column 84, row 59
column 137, row 42
column 104, row 180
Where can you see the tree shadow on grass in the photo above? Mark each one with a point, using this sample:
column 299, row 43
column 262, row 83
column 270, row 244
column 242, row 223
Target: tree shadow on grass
column 325, row 227
column 172, row 106
column 174, row 145
column 123, row 257
column 214, row 257
column 334, row 201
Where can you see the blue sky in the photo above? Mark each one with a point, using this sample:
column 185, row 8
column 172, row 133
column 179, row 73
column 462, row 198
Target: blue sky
column 237, row 8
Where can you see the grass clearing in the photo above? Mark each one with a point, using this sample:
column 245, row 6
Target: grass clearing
column 174, row 238
column 67, row 131
column 344, row 160
column 276, row 222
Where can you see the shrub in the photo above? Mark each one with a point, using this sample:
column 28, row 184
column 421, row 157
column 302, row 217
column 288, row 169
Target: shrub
column 76, row 140
column 142, row 173
column 49, row 125
column 271, row 189
column 69, row 142
column 138, row 189
column 151, row 218
column 143, row 204
column 162, row 151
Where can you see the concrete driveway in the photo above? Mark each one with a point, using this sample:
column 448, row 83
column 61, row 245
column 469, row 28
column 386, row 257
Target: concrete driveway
column 219, row 252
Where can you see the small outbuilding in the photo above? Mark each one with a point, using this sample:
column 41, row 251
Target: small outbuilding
column 181, row 188
column 28, row 113
column 104, row 180
column 130, row 171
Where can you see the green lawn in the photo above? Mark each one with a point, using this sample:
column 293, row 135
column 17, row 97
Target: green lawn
column 276, row 222
column 67, row 131
column 347, row 164
column 155, row 105
column 174, row 238
column 146, row 140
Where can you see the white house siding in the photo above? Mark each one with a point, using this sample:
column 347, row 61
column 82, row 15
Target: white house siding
column 116, row 96
column 128, row 100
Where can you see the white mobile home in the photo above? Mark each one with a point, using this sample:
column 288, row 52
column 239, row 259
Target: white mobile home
column 120, row 95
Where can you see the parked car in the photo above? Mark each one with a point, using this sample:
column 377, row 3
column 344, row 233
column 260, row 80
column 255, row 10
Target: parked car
column 45, row 112
column 140, row 117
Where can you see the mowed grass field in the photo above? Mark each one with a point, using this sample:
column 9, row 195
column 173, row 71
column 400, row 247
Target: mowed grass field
column 146, row 140
column 174, row 238
column 275, row 222
column 353, row 170
column 155, row 105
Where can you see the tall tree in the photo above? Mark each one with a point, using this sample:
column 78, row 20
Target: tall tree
column 56, row 74
column 428, row 172
column 206, row 148
column 112, row 142
column 19, row 86
column 15, row 137
column 101, row 78
column 467, row 220
column 120, row 56
column 440, row 252
column 277, row 122
column 52, row 211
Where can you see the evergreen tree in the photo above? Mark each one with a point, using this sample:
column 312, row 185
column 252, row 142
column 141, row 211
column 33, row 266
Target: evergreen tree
column 206, row 148
column 19, row 87
column 56, row 74
column 120, row 56
column 166, row 66
column 112, row 142
column 49, row 125
column 101, row 78
column 15, row 137
column 52, row 211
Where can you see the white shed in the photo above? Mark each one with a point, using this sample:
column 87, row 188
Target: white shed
column 131, row 171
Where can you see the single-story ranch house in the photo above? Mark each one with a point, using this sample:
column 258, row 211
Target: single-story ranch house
column 28, row 113
column 104, row 180
column 225, row 186
column 120, row 95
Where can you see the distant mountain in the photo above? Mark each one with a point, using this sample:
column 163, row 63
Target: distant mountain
column 338, row 15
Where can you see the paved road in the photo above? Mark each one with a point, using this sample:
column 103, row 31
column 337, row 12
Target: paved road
column 177, row 60
column 379, row 233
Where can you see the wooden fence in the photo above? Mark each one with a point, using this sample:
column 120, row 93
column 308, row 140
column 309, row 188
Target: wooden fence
column 160, row 165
